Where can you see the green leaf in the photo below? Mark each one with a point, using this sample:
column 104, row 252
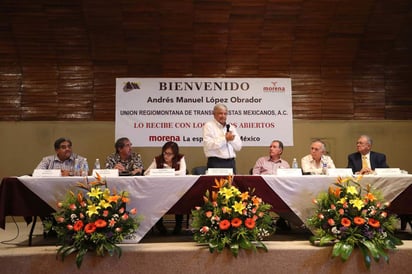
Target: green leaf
column 342, row 250
column 366, row 257
column 235, row 249
column 80, row 256
column 373, row 250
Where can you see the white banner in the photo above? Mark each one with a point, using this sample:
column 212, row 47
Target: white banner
column 152, row 111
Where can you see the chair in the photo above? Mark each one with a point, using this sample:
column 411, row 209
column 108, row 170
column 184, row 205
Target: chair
column 199, row 170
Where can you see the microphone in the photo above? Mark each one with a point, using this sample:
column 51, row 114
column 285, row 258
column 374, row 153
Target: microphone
column 227, row 127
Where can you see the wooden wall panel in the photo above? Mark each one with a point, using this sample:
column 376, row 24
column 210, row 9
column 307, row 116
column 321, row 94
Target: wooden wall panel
column 347, row 59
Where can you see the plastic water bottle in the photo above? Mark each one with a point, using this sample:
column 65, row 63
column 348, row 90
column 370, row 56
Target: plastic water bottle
column 85, row 169
column 76, row 167
column 97, row 164
column 295, row 163
column 325, row 169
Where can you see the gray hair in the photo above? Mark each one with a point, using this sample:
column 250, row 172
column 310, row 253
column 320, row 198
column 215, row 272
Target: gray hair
column 219, row 106
column 368, row 139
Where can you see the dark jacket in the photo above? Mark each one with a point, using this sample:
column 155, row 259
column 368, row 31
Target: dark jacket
column 377, row 160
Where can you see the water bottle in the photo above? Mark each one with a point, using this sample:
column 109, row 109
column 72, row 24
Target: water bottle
column 295, row 163
column 85, row 169
column 325, row 169
column 97, row 164
column 76, row 167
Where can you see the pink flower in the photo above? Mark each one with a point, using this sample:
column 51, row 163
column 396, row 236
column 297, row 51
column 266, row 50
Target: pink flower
column 331, row 222
column 105, row 213
column 133, row 211
column 125, row 216
column 118, row 229
column 121, row 210
column 204, row 229
column 209, row 214
column 60, row 219
column 69, row 227
column 72, row 207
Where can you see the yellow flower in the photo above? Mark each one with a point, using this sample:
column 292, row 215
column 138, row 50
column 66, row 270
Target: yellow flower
column 352, row 190
column 226, row 192
column 358, row 203
column 92, row 209
column 95, row 192
column 235, row 191
column 238, row 207
column 106, row 193
column 104, row 204
column 342, row 200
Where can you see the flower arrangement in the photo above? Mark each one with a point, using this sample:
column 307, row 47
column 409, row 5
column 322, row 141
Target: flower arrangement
column 233, row 219
column 349, row 216
column 95, row 221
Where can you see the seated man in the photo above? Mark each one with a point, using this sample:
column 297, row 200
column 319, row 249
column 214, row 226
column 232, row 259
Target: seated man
column 124, row 159
column 364, row 161
column 315, row 161
column 63, row 159
column 270, row 164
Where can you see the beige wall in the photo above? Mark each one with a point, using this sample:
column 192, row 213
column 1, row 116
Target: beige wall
column 25, row 143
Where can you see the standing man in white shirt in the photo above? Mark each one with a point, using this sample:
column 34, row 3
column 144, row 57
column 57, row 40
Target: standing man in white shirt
column 220, row 140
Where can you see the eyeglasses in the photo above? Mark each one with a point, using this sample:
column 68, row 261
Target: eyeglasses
column 168, row 153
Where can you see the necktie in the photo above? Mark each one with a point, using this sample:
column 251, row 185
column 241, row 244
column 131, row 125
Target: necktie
column 364, row 162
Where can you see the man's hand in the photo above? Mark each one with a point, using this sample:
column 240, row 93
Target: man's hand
column 229, row 136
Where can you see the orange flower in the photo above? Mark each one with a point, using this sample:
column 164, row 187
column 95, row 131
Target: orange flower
column 236, row 222
column 78, row 225
column 345, row 222
column 219, row 183
column 244, row 195
column 79, row 197
column 224, row 225
column 250, row 223
column 113, row 198
column 374, row 223
column 214, row 195
column 359, row 221
column 90, row 228
column 125, row 199
column 331, row 222
column 256, row 200
column 370, row 197
column 100, row 223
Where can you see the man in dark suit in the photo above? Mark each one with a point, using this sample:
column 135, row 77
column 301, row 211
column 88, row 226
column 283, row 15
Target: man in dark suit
column 365, row 161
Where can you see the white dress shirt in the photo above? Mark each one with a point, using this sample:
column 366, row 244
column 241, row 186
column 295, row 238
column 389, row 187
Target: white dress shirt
column 309, row 164
column 214, row 141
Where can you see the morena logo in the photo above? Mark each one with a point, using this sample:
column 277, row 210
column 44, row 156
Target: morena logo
column 274, row 88
column 129, row 86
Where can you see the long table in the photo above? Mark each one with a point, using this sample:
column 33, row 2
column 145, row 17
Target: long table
column 155, row 196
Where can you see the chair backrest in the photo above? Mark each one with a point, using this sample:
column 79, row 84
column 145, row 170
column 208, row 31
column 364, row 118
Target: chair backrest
column 199, row 170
